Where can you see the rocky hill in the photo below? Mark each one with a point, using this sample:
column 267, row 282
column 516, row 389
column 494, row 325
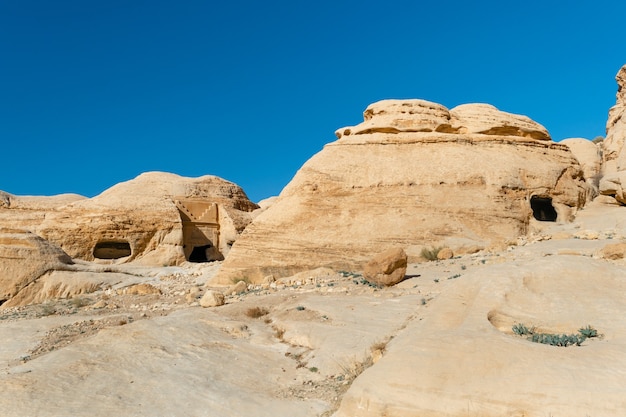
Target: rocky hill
column 172, row 296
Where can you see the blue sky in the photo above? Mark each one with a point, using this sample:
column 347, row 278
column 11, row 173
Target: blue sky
column 93, row 93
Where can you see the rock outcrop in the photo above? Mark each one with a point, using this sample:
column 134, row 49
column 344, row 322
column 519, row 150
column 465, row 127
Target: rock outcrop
column 155, row 219
column 24, row 257
column 589, row 155
column 412, row 174
column 614, row 146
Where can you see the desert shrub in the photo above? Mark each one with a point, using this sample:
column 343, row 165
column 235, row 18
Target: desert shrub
column 256, row 312
column 563, row 340
column 521, row 330
column 588, row 332
column 235, row 280
column 430, row 254
column 79, row 302
column 598, row 139
column 455, row 276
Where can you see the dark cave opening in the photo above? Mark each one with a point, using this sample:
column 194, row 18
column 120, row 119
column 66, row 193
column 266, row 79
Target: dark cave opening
column 111, row 250
column 543, row 210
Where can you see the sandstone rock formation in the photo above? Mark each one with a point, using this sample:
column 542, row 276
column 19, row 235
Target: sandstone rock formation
column 387, row 268
column 24, row 257
column 412, row 174
column 614, row 157
column 615, row 142
column 156, row 218
column 589, row 155
column 454, row 362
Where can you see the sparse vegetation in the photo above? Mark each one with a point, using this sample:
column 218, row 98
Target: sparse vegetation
column 588, row 332
column 430, row 254
column 300, row 308
column 79, row 302
column 522, row 330
column 48, row 310
column 598, row 139
column 256, row 312
column 313, row 369
column 245, row 279
column 562, row 340
column 455, row 276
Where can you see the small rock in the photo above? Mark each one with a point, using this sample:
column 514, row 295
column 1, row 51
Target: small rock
column 212, row 299
column 614, row 251
column 445, row 253
column 99, row 304
column 238, row 288
column 194, row 295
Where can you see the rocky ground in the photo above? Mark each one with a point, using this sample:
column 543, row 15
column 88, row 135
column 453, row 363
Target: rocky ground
column 329, row 343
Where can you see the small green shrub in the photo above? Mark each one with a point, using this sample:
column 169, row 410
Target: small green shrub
column 455, row 276
column 521, row 330
column 313, row 369
column 430, row 254
column 563, row 340
column 588, row 332
column 300, row 308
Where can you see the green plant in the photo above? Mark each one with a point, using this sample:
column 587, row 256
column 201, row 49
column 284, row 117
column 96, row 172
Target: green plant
column 521, row 330
column 423, row 301
column 430, row 254
column 300, row 308
column 563, row 340
column 455, row 276
column 588, row 332
column 313, row 369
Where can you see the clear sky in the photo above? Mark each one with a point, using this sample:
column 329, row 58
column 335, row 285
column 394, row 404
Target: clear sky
column 94, row 92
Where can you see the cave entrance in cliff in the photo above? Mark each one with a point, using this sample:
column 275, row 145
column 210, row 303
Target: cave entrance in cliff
column 542, row 208
column 199, row 253
column 111, row 250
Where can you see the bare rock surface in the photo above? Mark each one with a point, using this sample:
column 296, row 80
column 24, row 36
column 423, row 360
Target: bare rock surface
column 379, row 185
column 322, row 343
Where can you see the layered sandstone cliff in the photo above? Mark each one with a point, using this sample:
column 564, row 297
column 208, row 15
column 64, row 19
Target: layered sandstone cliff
column 413, row 174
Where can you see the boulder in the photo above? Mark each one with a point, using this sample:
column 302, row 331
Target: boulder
column 444, row 254
column 388, row 268
column 408, row 176
column 212, row 299
column 613, row 185
column 24, row 258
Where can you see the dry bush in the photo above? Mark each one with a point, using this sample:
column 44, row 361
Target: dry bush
column 256, row 312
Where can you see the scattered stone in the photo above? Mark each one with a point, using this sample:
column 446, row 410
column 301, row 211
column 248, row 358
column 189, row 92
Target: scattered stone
column 387, row 268
column 141, row 289
column 212, row 299
column 614, row 251
column 238, row 288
